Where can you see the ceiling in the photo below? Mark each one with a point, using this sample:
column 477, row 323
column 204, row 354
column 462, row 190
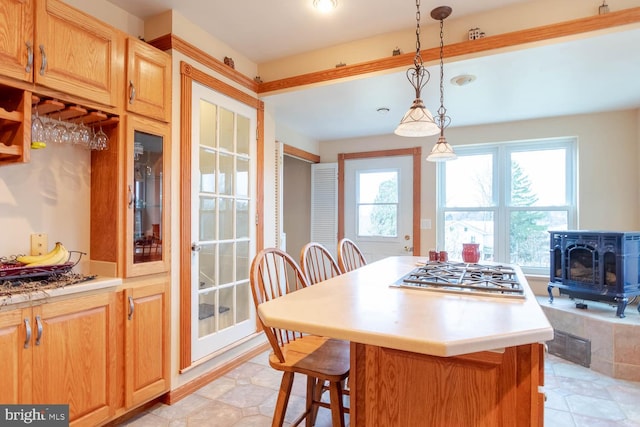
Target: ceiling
column 586, row 75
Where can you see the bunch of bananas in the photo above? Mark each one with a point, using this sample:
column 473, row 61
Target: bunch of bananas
column 58, row 255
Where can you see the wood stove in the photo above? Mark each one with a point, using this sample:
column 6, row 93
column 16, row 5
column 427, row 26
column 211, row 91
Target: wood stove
column 595, row 266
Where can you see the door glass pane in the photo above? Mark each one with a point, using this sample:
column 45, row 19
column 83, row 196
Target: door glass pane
column 469, row 181
column 147, row 197
column 207, row 171
column 226, row 219
column 208, row 119
column 206, row 313
column 226, row 174
column 207, row 258
column 242, row 261
column 243, row 135
column 529, row 237
column 243, row 294
column 242, row 219
column 207, row 218
column 377, row 206
column 226, row 129
column 242, row 177
column 538, row 178
column 469, row 227
column 226, row 263
column 227, row 305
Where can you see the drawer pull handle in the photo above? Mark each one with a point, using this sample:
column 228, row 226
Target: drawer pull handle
column 39, row 329
column 131, row 308
column 29, row 57
column 43, row 66
column 132, row 92
column 27, row 327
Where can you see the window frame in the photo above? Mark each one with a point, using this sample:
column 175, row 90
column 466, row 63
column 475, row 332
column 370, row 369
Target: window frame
column 501, row 189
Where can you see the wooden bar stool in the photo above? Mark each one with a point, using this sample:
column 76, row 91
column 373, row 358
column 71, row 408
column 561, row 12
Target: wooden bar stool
column 317, row 263
column 273, row 274
column 350, row 256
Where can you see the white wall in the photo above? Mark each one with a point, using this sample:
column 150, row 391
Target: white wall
column 50, row 194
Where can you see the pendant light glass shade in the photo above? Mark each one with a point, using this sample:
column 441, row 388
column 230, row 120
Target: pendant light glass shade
column 418, row 121
column 442, row 151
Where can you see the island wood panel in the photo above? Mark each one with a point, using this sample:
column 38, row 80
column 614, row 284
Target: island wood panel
column 399, row 388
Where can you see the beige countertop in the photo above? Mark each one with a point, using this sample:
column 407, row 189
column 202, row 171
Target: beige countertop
column 362, row 307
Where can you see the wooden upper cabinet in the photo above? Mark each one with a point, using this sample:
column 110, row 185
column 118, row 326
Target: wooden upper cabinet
column 76, row 53
column 148, row 80
column 16, row 42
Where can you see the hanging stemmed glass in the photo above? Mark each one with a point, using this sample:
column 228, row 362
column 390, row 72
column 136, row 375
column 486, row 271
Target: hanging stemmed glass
column 37, row 131
column 100, row 140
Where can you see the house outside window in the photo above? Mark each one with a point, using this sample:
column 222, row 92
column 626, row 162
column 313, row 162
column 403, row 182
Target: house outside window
column 506, row 197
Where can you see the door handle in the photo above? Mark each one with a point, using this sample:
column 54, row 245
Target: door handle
column 195, row 247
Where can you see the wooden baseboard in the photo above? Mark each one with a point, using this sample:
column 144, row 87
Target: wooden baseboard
column 185, row 390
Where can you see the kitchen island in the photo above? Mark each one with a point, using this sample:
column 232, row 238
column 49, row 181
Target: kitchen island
column 422, row 357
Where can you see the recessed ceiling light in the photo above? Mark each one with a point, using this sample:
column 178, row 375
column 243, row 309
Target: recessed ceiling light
column 463, row 79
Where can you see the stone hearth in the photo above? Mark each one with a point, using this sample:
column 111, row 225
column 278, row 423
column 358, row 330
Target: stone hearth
column 615, row 342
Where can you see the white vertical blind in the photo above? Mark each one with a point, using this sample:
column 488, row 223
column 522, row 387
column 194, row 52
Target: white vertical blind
column 324, row 205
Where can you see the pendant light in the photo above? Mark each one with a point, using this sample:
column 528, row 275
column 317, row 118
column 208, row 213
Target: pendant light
column 418, row 121
column 442, row 151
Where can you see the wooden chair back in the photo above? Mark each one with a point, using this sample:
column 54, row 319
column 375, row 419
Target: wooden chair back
column 275, row 273
column 317, row 263
column 350, row 256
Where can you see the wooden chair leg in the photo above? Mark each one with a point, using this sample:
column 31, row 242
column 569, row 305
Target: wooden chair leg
column 283, row 399
column 337, row 406
column 317, row 396
column 309, row 410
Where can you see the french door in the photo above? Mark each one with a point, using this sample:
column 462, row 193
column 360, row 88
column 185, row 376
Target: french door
column 222, row 231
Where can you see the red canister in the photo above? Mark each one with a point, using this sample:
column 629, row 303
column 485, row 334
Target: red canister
column 471, row 252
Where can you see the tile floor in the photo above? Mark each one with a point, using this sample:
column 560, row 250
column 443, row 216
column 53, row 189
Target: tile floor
column 245, row 397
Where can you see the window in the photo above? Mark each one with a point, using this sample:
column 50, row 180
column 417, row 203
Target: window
column 506, row 197
column 377, row 203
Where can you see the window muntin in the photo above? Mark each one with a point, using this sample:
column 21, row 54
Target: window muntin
column 506, row 197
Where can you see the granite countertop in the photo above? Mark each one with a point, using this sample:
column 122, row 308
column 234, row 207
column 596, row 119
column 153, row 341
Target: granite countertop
column 37, row 294
column 362, row 307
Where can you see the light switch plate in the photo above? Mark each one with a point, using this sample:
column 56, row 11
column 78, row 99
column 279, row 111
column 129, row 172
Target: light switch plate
column 39, row 244
column 425, row 224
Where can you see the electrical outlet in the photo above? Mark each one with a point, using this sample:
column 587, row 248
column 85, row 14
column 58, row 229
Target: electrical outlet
column 39, row 244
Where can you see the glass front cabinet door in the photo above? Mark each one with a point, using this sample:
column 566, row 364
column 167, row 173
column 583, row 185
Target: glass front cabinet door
column 147, row 192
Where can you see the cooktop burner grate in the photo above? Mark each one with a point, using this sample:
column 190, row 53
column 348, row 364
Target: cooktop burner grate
column 477, row 279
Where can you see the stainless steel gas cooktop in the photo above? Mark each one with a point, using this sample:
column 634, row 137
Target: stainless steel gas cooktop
column 471, row 279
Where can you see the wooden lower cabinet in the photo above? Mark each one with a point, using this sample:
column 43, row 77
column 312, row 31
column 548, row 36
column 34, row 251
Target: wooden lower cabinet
column 62, row 352
column 486, row 389
column 146, row 355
